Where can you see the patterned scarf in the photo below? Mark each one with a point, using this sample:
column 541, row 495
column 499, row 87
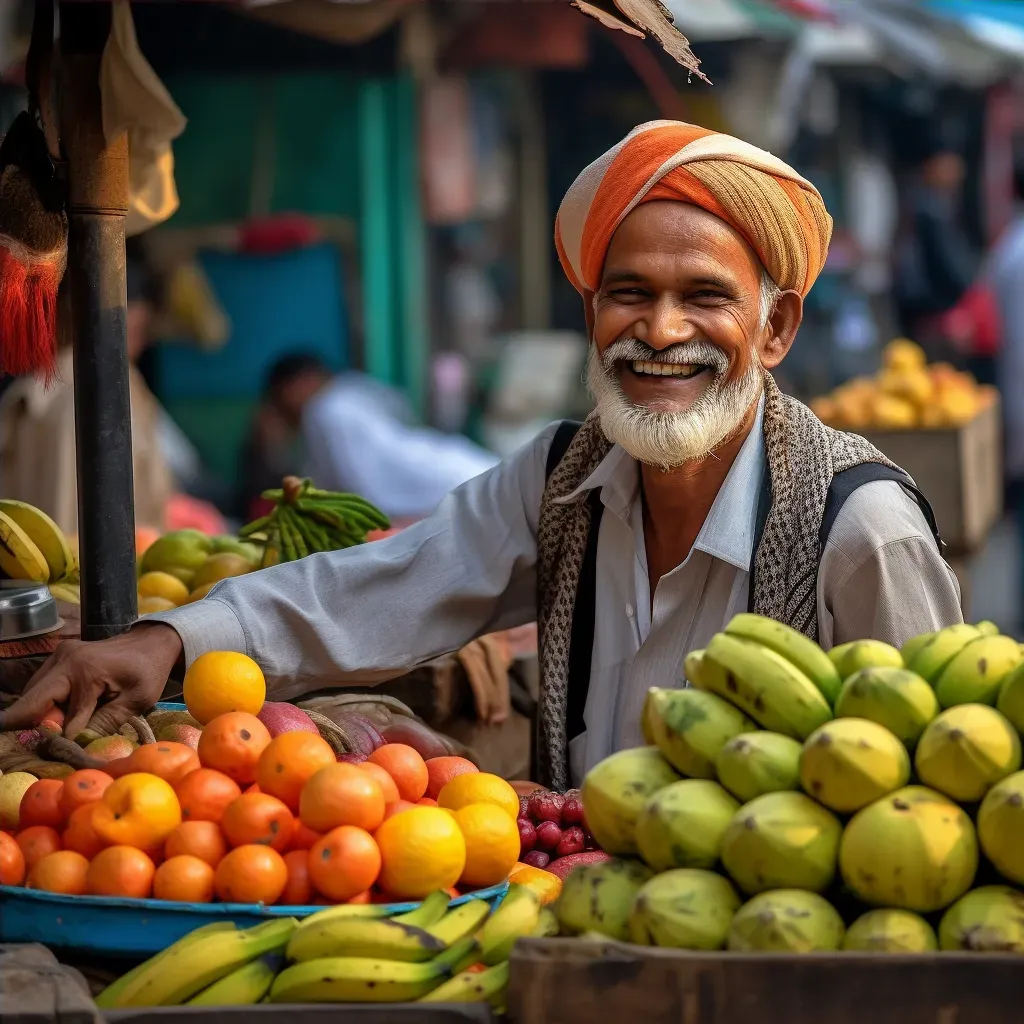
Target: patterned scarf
column 802, row 454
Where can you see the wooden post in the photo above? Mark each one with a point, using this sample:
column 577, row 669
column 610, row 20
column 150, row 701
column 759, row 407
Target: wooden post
column 97, row 205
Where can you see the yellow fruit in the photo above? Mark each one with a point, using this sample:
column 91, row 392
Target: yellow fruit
column 891, row 413
column 20, row 558
column 45, row 534
column 544, row 885
column 492, row 844
column 914, row 385
column 221, row 681
column 903, row 354
column 12, row 789
column 200, row 592
column 149, row 605
column 422, row 850
column 1001, row 827
column 220, row 567
column 957, row 406
column 163, row 584
column 476, row 788
column 825, row 409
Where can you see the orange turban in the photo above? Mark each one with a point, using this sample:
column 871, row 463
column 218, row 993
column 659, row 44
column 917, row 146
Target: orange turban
column 779, row 213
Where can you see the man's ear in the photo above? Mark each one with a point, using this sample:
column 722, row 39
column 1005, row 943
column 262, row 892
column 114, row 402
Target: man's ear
column 781, row 330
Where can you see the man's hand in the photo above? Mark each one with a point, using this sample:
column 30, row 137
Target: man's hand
column 126, row 673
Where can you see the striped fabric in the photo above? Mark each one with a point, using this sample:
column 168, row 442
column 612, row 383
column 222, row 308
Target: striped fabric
column 779, row 213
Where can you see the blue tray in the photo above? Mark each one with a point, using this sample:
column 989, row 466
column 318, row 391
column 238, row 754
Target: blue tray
column 140, row 928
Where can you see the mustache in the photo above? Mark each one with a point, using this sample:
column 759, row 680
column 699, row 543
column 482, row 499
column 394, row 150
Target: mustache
column 698, row 353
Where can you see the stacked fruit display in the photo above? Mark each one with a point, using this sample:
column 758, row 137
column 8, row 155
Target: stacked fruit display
column 260, row 810
column 346, row 954
column 553, row 832
column 858, row 800
column 33, row 548
column 907, row 394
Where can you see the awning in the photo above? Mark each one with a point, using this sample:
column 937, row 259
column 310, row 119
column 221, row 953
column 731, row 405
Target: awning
column 998, row 24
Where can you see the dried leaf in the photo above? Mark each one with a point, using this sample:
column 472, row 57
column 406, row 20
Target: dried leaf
column 647, row 15
column 606, row 19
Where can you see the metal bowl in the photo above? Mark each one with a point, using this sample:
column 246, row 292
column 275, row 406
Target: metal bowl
column 26, row 609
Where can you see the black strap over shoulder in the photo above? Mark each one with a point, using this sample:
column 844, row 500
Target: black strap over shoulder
column 564, row 434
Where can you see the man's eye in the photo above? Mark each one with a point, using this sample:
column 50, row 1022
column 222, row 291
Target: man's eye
column 628, row 292
column 707, row 293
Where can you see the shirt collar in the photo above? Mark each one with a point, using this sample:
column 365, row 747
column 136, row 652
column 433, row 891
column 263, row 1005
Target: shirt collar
column 728, row 532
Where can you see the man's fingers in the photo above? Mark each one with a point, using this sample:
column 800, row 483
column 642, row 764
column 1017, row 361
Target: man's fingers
column 80, row 708
column 46, row 690
column 108, row 718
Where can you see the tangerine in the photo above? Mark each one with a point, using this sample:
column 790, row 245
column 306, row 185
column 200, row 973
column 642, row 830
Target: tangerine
column 12, row 861
column 202, row 839
column 79, row 835
column 258, row 818
column 441, row 771
column 41, row 804
column 396, row 808
column 384, row 780
column 404, row 764
column 221, row 681
column 86, row 786
column 251, row 874
column 299, row 890
column 165, row 759
column 304, row 837
column 36, row 842
column 139, row 810
column 289, row 761
column 477, row 788
column 232, row 743
column 344, row 863
column 363, row 897
column 205, row 793
column 492, row 844
column 63, row 871
column 184, row 879
column 426, row 802
column 120, row 871
column 341, row 794
column 421, row 850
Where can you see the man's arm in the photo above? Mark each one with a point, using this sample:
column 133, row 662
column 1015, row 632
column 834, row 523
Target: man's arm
column 881, row 575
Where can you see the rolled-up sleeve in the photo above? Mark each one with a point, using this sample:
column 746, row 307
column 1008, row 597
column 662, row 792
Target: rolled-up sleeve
column 371, row 612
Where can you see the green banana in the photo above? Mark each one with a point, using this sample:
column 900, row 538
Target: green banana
column 428, row 913
column 517, row 916
column 459, row 922
column 363, row 937
column 108, row 999
column 342, row 979
column 473, row 987
column 772, row 691
column 693, row 670
column 186, row 971
column 243, row 987
column 987, row 628
column 942, row 649
column 547, row 925
column 913, row 647
column 796, row 648
column 257, row 525
column 345, row 910
column 289, row 527
column 459, row 956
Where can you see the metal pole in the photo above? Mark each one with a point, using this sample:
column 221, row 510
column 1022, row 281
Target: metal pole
column 97, row 205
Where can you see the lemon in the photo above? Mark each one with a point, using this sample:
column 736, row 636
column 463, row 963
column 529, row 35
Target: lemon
column 422, row 850
column 163, row 584
column 12, row 789
column 221, row 681
column 476, row 788
column 149, row 605
column 492, row 844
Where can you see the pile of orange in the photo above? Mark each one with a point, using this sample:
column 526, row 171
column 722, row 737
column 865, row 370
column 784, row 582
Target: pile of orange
column 250, row 819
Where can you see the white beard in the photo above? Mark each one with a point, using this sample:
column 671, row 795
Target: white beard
column 662, row 439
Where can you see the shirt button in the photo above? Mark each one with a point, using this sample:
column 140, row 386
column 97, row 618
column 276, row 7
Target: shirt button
column 629, row 610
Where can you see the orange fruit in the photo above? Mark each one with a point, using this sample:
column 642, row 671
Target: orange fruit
column 36, row 842
column 426, row 802
column 492, row 844
column 120, row 871
column 232, row 743
column 384, row 780
column 204, row 793
column 41, row 804
column 221, row 681
column 396, row 808
column 184, row 879
column 479, row 788
column 251, row 874
column 299, row 890
column 79, row 835
column 289, row 762
column 63, row 871
column 12, row 861
column 344, row 863
column 258, row 818
column 138, row 810
column 405, row 766
column 85, row 786
column 304, row 837
column 441, row 771
column 362, row 897
column 421, row 850
column 202, row 839
column 546, row 886
column 165, row 759
column 341, row 794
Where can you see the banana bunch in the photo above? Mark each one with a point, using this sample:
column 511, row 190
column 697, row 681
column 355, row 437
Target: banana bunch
column 342, row 954
column 307, row 520
column 33, row 547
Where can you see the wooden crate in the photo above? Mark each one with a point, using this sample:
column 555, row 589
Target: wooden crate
column 564, row 981
column 960, row 471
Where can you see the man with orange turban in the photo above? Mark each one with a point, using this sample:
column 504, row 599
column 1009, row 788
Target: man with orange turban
column 695, row 490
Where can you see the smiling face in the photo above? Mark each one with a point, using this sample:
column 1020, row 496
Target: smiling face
column 684, row 320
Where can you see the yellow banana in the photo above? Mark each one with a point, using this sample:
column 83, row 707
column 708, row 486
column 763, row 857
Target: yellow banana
column 69, row 593
column 47, row 536
column 20, row 558
column 460, row 921
column 931, row 659
column 516, row 917
column 342, row 979
column 473, row 987
column 363, row 937
column 242, row 987
column 429, row 912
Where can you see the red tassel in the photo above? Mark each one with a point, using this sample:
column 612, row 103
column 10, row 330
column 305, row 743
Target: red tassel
column 28, row 310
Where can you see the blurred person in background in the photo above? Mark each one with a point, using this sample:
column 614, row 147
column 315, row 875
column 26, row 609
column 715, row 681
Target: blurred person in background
column 351, row 433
